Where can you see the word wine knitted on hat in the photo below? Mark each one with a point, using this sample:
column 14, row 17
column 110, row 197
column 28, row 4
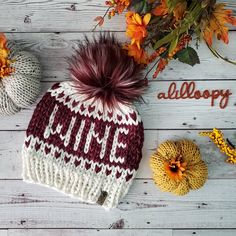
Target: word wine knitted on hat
column 54, row 127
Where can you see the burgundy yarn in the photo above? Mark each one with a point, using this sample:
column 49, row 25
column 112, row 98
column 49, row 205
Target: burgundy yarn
column 101, row 69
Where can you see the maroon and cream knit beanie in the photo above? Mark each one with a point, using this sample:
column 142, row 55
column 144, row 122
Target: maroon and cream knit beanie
column 85, row 137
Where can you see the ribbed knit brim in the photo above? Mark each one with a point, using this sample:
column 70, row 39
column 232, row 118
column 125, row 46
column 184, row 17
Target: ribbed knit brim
column 74, row 147
column 80, row 183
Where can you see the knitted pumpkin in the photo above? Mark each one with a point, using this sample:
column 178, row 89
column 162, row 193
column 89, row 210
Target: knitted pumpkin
column 19, row 78
column 177, row 167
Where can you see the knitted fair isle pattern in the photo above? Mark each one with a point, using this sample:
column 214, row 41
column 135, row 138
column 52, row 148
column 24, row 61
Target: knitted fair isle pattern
column 21, row 88
column 81, row 149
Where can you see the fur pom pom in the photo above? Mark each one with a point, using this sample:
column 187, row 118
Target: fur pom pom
column 101, row 69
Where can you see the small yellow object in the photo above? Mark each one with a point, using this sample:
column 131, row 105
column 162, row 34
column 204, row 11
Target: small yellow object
column 218, row 138
column 177, row 167
column 5, row 68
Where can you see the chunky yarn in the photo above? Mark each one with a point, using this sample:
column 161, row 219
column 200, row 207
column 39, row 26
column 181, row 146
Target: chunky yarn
column 85, row 137
column 177, row 167
column 20, row 88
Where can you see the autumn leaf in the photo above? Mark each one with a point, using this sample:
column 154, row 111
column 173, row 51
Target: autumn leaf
column 217, row 24
column 139, row 54
column 3, row 48
column 177, row 7
column 136, row 28
column 160, row 67
column 5, row 68
column 161, row 10
column 3, row 40
column 100, row 20
column 180, row 9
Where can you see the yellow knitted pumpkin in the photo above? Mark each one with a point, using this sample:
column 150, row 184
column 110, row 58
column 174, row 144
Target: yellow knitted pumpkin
column 177, row 167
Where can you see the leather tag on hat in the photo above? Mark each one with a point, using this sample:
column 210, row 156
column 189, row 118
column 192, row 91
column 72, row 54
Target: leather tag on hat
column 102, row 197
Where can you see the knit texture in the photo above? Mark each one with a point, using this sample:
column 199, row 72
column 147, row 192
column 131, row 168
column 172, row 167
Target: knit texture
column 82, row 149
column 177, row 167
column 21, row 88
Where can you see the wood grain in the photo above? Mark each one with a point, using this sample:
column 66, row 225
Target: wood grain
column 32, row 206
column 116, row 232
column 3, row 232
column 11, row 143
column 163, row 114
column 204, row 232
column 52, row 50
column 88, row 232
column 58, row 15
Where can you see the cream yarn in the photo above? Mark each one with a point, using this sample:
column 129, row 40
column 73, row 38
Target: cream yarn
column 21, row 88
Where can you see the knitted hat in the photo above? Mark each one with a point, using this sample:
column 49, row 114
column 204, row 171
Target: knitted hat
column 19, row 78
column 85, row 137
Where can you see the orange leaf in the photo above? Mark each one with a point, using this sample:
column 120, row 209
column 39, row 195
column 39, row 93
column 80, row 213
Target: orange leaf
column 3, row 40
column 217, row 24
column 232, row 20
column 208, row 36
column 138, row 53
column 100, row 20
column 5, row 68
column 179, row 10
column 161, row 10
column 136, row 28
column 160, row 67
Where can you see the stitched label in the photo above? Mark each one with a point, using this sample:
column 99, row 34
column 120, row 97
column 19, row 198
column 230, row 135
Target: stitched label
column 102, row 198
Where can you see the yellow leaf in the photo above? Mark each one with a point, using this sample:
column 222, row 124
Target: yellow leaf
column 147, row 18
column 138, row 19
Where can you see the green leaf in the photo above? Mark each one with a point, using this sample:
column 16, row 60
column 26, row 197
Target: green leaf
column 141, row 6
column 173, row 44
column 184, row 25
column 189, row 56
column 146, row 8
column 171, row 4
column 138, row 6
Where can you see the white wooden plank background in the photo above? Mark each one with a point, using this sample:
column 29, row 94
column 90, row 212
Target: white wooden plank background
column 58, row 15
column 50, row 29
column 28, row 205
column 102, row 232
column 52, row 48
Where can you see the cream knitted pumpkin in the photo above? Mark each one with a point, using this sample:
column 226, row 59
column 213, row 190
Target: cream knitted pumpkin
column 20, row 88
